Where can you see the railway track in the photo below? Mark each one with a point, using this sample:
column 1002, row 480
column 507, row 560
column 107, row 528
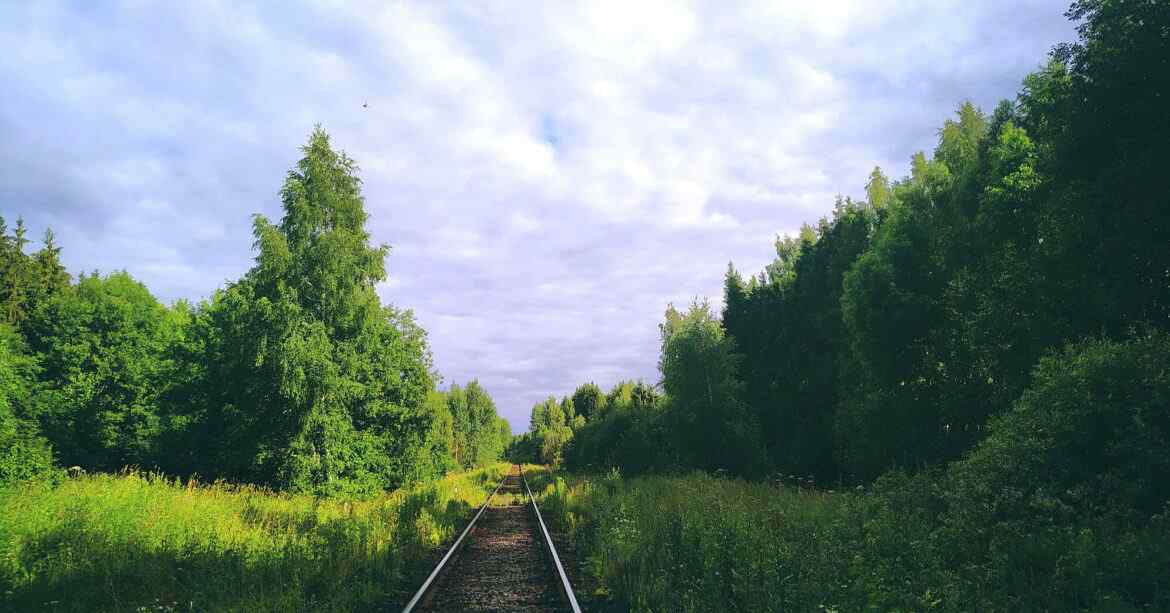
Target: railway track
column 504, row 560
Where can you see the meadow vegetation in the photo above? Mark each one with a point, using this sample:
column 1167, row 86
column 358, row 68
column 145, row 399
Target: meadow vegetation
column 140, row 541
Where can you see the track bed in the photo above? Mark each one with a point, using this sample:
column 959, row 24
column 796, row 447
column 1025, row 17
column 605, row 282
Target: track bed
column 503, row 564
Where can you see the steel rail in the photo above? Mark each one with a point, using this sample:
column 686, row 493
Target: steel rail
column 565, row 586
column 422, row 591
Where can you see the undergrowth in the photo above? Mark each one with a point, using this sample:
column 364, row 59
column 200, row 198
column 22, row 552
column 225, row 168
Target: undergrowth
column 705, row 543
column 148, row 543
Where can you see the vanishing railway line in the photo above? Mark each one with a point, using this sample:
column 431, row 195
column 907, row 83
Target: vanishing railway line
column 504, row 560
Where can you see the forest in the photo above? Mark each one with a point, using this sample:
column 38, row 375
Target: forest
column 899, row 332
column 980, row 348
column 293, row 377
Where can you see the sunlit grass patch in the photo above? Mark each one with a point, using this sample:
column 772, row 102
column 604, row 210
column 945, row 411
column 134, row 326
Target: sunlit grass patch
column 106, row 542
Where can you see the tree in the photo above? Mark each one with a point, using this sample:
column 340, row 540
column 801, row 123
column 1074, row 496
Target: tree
column 895, row 309
column 550, row 428
column 1097, row 109
column 24, row 453
column 588, row 400
column 788, row 248
column 49, row 277
column 643, row 397
column 620, row 397
column 102, row 347
column 442, row 435
column 700, row 375
column 568, row 409
column 877, row 190
column 315, row 385
column 539, row 417
column 17, row 272
column 27, row 281
column 552, row 444
column 476, row 425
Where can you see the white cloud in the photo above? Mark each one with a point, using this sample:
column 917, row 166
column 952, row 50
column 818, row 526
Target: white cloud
column 522, row 223
column 548, row 174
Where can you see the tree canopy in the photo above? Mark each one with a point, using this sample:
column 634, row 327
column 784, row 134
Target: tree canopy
column 295, row 376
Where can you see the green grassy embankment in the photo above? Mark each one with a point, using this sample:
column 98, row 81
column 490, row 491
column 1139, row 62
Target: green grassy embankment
column 700, row 543
column 145, row 542
column 704, row 543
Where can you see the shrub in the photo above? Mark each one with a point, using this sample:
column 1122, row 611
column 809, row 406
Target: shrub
column 1057, row 506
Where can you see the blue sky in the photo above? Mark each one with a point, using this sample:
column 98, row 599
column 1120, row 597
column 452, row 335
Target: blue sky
column 549, row 175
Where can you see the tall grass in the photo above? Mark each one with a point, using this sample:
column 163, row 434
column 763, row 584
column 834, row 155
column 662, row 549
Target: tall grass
column 703, row 543
column 700, row 543
column 146, row 542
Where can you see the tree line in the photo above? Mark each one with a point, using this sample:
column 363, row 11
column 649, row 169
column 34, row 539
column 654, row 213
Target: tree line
column 554, row 423
column 294, row 376
column 908, row 329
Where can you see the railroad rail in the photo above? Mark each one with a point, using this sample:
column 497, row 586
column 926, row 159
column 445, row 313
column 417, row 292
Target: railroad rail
column 504, row 565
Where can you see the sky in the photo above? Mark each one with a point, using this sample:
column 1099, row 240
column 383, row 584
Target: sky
column 549, row 175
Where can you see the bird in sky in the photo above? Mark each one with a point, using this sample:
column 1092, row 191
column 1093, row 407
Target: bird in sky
column 365, row 105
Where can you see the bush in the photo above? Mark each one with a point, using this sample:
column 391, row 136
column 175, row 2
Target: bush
column 24, row 456
column 1061, row 505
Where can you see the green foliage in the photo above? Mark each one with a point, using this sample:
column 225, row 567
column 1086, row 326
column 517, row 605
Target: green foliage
column 788, row 249
column 310, row 383
column 991, row 327
column 1063, row 506
column 700, row 375
column 926, row 309
column 24, row 454
column 550, row 430
column 697, row 543
column 894, row 306
column 791, row 339
column 877, row 190
column 621, row 397
column 27, row 281
column 442, row 433
column 1073, row 483
column 588, row 400
column 102, row 349
column 636, row 440
column 478, row 434
column 295, row 376
column 116, row 543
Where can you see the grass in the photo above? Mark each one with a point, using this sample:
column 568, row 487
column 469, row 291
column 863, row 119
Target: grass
column 694, row 542
column 142, row 542
column 701, row 543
